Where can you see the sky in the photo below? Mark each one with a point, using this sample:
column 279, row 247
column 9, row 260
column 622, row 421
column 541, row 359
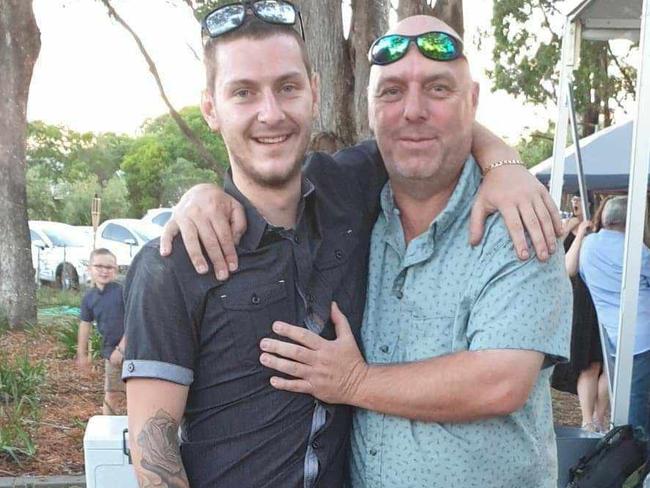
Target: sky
column 90, row 75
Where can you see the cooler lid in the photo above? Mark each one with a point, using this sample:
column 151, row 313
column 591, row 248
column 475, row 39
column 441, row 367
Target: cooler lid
column 105, row 432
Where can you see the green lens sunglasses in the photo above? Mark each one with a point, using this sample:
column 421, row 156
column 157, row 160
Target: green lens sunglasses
column 438, row 46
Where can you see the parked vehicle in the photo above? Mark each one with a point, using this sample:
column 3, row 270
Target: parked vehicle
column 158, row 216
column 125, row 237
column 59, row 253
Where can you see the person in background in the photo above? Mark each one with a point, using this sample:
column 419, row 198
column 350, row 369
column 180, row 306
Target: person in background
column 601, row 267
column 104, row 305
column 584, row 374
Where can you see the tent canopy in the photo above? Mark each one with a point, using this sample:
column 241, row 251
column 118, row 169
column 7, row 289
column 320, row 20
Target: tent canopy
column 605, row 157
column 603, row 20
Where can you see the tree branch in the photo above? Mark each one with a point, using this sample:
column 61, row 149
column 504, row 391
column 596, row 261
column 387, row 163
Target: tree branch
column 182, row 125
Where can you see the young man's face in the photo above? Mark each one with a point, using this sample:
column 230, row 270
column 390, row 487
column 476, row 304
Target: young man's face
column 103, row 269
column 263, row 106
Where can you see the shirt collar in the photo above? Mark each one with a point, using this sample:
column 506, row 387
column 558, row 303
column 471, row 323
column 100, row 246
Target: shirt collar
column 256, row 223
column 461, row 197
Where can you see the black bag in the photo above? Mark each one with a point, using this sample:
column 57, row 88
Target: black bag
column 615, row 458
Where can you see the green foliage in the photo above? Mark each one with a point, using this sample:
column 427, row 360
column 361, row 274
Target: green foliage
column 67, row 333
column 176, row 145
column 21, row 381
column 67, row 168
column 40, row 202
column 180, row 177
column 536, row 148
column 143, row 166
column 52, row 297
column 527, row 53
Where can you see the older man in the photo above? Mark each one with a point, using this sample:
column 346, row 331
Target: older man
column 458, row 340
column 601, row 266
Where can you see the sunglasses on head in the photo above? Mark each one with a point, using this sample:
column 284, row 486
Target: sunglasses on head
column 438, row 46
column 229, row 17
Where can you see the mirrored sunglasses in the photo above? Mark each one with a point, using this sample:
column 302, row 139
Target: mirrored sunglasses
column 438, row 46
column 230, row 17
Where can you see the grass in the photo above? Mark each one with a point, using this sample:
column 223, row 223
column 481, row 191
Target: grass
column 21, row 381
column 66, row 335
column 51, row 297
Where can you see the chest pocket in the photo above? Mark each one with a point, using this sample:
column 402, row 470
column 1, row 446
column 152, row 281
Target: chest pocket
column 336, row 259
column 250, row 313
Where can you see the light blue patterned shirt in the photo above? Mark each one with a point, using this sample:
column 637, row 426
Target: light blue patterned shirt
column 437, row 296
column 601, row 266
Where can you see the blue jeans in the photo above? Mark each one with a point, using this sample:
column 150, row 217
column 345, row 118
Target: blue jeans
column 640, row 391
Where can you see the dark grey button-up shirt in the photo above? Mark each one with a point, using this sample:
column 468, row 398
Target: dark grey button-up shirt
column 191, row 329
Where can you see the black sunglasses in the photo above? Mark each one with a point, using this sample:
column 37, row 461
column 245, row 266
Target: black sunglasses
column 438, row 46
column 229, row 17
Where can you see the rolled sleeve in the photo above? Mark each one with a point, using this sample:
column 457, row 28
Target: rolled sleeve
column 161, row 341
column 522, row 305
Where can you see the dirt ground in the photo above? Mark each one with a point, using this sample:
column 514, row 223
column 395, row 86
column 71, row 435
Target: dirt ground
column 71, row 397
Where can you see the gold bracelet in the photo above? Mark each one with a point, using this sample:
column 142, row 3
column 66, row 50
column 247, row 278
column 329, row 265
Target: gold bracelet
column 503, row 162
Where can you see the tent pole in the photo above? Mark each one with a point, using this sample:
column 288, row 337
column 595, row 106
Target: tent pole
column 559, row 142
column 582, row 185
column 634, row 231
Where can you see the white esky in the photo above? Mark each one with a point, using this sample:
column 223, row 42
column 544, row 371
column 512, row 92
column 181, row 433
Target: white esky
column 90, row 75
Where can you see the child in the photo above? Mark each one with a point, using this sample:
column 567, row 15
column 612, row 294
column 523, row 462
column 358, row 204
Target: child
column 104, row 305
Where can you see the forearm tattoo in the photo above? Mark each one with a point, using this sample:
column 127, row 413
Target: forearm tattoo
column 161, row 465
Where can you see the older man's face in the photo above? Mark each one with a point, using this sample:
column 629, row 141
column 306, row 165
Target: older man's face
column 421, row 112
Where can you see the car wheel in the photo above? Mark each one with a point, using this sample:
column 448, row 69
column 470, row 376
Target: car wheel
column 67, row 278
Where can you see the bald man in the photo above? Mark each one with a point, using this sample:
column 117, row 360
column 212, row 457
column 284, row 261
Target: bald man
column 458, row 340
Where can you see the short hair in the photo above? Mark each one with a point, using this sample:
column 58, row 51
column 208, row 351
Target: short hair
column 101, row 251
column 615, row 212
column 251, row 28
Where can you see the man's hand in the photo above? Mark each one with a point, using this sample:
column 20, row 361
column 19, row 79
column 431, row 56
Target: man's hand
column 116, row 358
column 206, row 214
column 524, row 203
column 328, row 370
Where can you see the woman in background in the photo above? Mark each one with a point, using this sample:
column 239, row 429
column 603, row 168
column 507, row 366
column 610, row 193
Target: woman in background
column 584, row 374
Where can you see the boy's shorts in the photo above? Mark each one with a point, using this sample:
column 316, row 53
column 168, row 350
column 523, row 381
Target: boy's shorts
column 113, row 378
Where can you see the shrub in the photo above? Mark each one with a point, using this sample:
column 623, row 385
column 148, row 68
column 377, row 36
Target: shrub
column 20, row 384
column 67, row 334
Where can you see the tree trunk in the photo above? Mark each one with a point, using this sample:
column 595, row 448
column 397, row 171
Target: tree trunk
column 19, row 47
column 182, row 125
column 406, row 8
column 369, row 21
column 329, row 55
column 451, row 12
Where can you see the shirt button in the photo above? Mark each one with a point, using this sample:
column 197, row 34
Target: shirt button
column 339, row 254
column 315, row 444
column 373, row 452
column 384, row 349
column 310, row 298
column 296, row 239
column 131, row 367
column 255, row 300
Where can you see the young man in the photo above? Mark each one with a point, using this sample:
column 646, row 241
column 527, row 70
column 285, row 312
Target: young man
column 104, row 305
column 193, row 340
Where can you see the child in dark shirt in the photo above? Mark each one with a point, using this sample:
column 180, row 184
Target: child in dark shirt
column 104, row 305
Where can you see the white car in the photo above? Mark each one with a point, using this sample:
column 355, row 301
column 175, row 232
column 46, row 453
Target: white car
column 125, row 237
column 60, row 253
column 158, row 216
